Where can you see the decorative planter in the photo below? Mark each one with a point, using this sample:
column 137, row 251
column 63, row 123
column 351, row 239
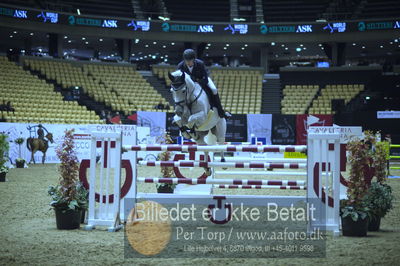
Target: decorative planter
column 374, row 223
column 67, row 220
column 354, row 228
column 20, row 164
column 165, row 189
column 83, row 216
column 3, row 177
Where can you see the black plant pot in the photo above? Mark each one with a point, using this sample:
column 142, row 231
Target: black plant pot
column 374, row 223
column 83, row 216
column 3, row 177
column 20, row 164
column 354, row 228
column 165, row 189
column 70, row 219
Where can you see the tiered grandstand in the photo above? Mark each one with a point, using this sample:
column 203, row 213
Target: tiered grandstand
column 35, row 101
column 297, row 98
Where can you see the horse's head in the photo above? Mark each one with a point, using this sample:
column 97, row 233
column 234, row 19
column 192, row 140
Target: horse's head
column 49, row 136
column 178, row 90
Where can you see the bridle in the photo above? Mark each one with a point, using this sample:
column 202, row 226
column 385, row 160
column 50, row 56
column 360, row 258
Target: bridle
column 187, row 97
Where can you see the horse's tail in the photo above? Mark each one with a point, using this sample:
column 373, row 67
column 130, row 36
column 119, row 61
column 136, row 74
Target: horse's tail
column 29, row 144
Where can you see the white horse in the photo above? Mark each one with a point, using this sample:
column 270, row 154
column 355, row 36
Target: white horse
column 193, row 114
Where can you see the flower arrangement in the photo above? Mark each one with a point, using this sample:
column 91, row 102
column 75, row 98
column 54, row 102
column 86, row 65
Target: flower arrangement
column 166, row 172
column 361, row 162
column 19, row 161
column 70, row 193
column 4, row 148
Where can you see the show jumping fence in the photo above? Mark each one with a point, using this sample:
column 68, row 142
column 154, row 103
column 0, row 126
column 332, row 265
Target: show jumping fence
column 323, row 175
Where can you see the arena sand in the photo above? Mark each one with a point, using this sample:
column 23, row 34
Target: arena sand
column 28, row 233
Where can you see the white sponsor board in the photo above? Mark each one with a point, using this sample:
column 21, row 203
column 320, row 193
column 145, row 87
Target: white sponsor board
column 346, row 133
column 81, row 136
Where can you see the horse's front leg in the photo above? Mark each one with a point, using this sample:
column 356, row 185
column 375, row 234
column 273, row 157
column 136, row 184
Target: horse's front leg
column 44, row 158
column 33, row 157
column 196, row 119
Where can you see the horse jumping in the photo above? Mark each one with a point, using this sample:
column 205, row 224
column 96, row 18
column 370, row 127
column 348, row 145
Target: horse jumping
column 194, row 115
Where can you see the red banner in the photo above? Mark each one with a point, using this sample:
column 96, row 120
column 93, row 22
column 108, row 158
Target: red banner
column 304, row 121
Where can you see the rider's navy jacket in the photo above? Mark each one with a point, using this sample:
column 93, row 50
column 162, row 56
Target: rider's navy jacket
column 199, row 72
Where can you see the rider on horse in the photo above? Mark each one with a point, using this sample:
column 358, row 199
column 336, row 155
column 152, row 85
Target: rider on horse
column 197, row 71
column 40, row 132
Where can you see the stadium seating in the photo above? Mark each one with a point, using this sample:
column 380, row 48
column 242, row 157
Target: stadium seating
column 240, row 90
column 193, row 10
column 322, row 104
column 297, row 98
column 133, row 91
column 293, row 10
column 121, row 88
column 35, row 101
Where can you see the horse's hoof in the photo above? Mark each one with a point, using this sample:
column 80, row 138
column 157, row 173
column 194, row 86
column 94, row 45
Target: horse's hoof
column 223, row 160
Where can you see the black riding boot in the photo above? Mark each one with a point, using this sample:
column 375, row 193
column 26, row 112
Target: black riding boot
column 218, row 105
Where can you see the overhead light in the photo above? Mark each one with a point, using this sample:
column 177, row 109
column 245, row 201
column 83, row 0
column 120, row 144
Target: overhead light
column 133, row 54
column 245, row 45
column 322, row 48
column 154, row 57
column 239, row 19
column 137, row 40
column 396, row 40
column 172, row 43
column 367, row 97
column 207, row 47
column 78, row 11
column 228, row 44
column 286, row 48
column 15, row 32
column 363, row 47
column 65, row 37
column 272, row 43
column 282, row 45
column 208, row 44
column 276, row 55
column 301, row 45
column 100, row 40
column 354, row 44
column 391, row 42
column 10, row 49
column 83, row 38
column 298, row 49
column 166, row 60
column 381, row 46
column 69, row 41
column 242, row 48
column 162, row 57
column 164, row 46
column 146, row 45
column 86, row 42
column 154, row 42
column 11, row 36
column 320, row 44
column 31, row 34
column 304, row 48
column 224, row 48
column 166, row 55
column 241, row 55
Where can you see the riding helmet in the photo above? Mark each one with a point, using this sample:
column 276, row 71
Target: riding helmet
column 189, row 54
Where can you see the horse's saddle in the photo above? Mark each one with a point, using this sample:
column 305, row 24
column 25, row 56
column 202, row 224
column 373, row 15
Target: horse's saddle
column 211, row 121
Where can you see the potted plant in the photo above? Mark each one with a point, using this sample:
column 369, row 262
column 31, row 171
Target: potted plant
column 379, row 201
column 166, row 172
column 20, row 162
column 353, row 210
column 69, row 197
column 379, row 197
column 4, row 148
